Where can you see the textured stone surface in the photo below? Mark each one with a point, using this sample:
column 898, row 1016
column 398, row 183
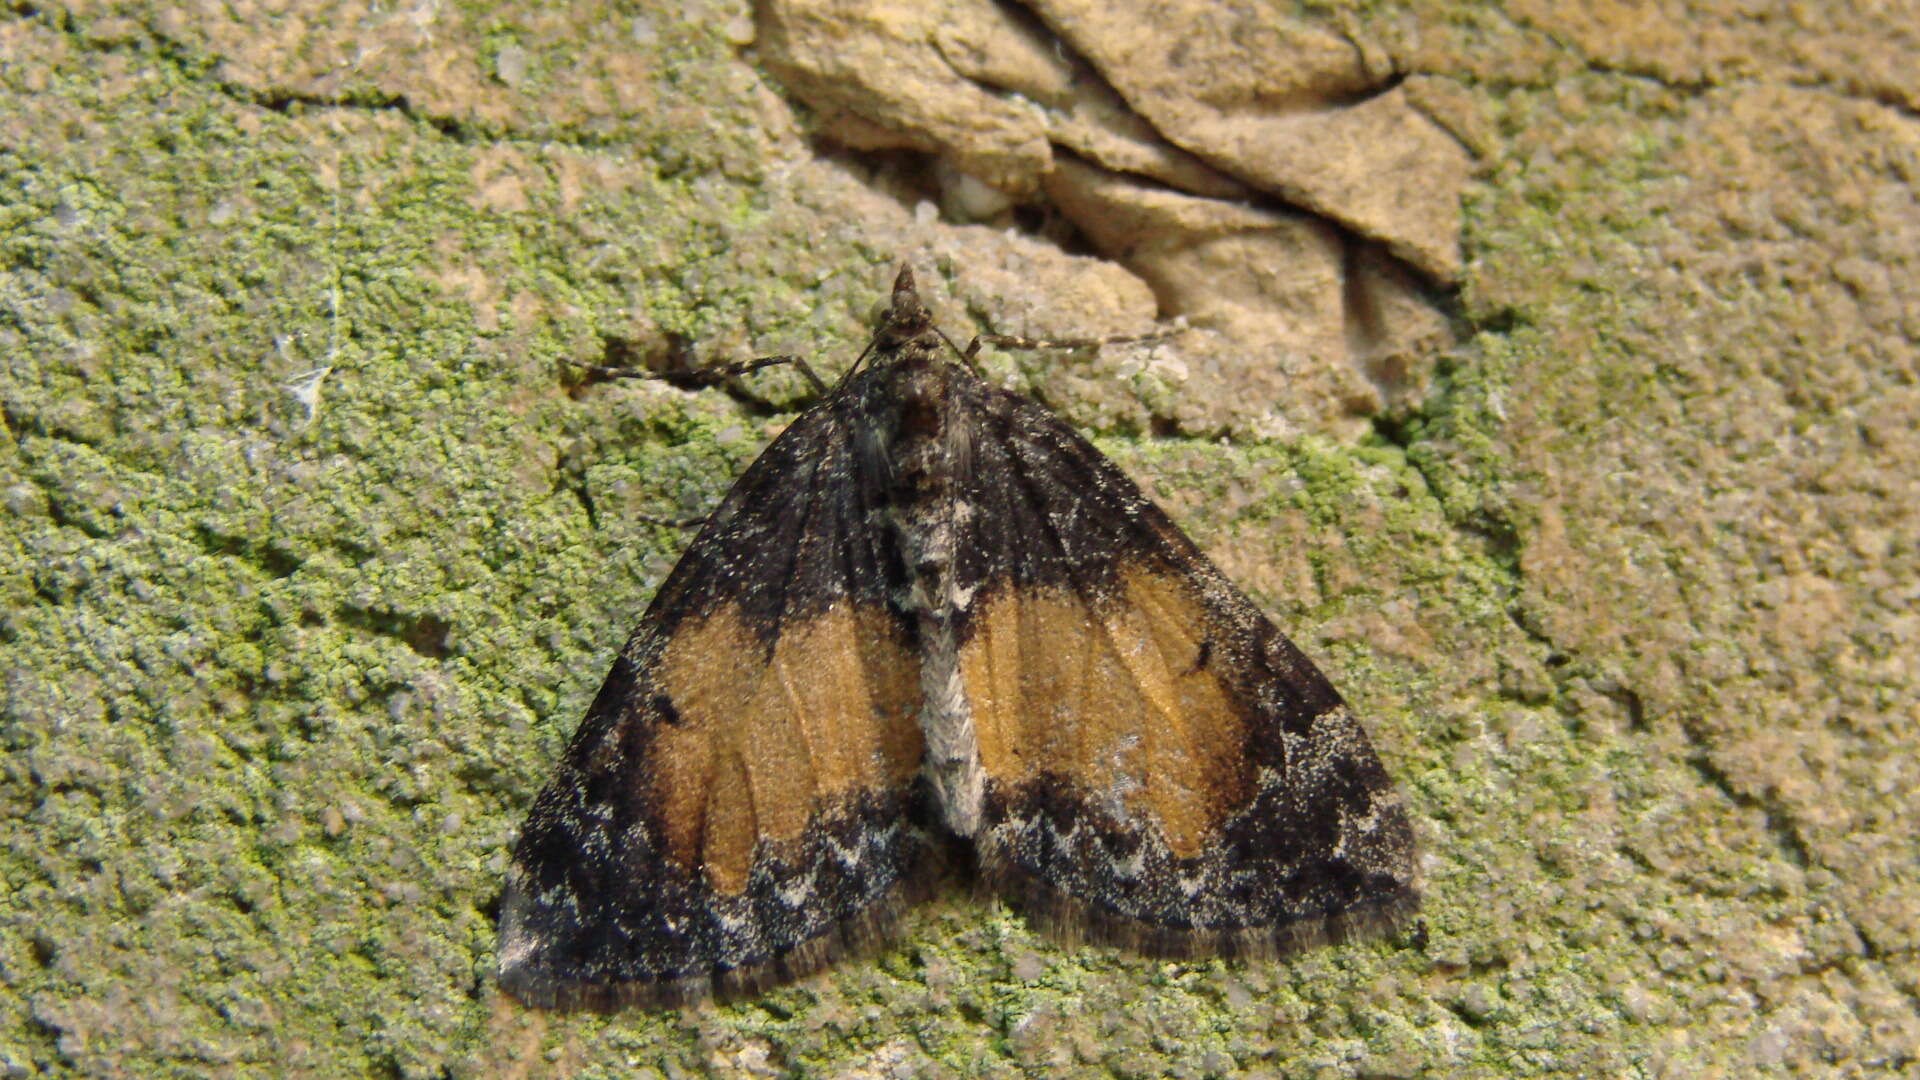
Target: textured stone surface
column 1287, row 105
column 1265, row 175
column 1627, row 597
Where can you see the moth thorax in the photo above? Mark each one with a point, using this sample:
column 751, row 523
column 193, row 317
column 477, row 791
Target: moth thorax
column 928, row 454
column 920, row 392
column 923, row 474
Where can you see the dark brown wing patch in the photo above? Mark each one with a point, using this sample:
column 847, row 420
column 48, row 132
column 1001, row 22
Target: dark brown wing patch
column 1133, row 794
column 733, row 810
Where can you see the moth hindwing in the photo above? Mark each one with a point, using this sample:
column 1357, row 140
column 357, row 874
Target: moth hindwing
column 931, row 606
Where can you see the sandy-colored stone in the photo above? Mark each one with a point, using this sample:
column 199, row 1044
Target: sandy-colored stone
column 1005, row 104
column 877, row 74
column 1272, row 102
column 986, row 45
column 1858, row 49
column 1306, row 331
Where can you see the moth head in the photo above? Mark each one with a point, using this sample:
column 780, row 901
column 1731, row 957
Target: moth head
column 905, row 317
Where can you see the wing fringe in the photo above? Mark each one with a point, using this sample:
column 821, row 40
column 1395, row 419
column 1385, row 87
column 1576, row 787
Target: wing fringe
column 1071, row 921
column 863, row 933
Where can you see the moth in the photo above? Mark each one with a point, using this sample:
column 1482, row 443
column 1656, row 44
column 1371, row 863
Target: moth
column 932, row 615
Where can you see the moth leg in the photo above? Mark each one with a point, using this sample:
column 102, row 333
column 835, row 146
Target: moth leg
column 670, row 523
column 700, row 378
column 710, row 375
